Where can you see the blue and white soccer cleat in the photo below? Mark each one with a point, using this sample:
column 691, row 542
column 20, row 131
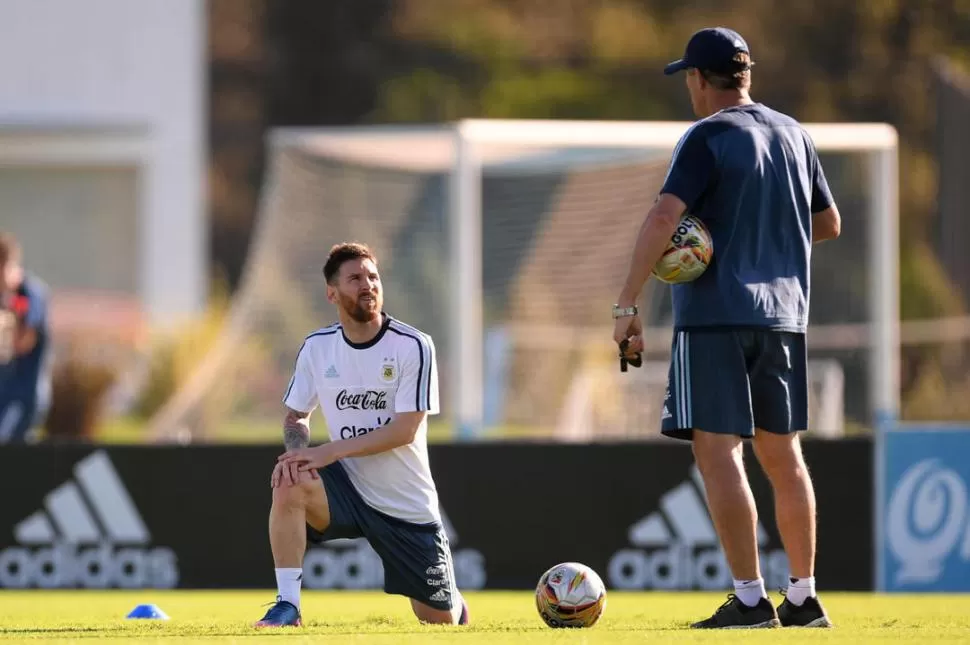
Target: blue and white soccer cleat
column 282, row 614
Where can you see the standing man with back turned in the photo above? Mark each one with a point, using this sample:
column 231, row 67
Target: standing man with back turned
column 738, row 366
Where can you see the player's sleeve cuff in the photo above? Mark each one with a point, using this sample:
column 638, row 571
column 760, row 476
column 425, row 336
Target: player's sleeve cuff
column 821, row 206
column 429, row 412
column 683, row 193
column 298, row 406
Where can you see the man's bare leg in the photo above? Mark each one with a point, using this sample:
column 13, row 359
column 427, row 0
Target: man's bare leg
column 720, row 460
column 781, row 458
column 295, row 506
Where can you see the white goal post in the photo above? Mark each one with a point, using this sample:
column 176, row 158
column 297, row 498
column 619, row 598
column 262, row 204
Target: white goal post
column 879, row 142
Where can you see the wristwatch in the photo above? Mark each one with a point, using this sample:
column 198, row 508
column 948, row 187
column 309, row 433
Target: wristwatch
column 621, row 312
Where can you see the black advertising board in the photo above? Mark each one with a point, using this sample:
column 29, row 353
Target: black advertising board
column 196, row 517
column 636, row 513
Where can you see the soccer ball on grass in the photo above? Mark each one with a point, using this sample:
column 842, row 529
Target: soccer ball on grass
column 570, row 594
column 688, row 253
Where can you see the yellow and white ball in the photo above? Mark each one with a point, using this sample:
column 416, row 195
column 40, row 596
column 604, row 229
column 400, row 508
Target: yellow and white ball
column 570, row 594
column 688, row 254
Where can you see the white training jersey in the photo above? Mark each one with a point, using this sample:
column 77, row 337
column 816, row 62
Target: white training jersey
column 361, row 387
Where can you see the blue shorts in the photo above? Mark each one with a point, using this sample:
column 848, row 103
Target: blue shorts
column 731, row 381
column 416, row 557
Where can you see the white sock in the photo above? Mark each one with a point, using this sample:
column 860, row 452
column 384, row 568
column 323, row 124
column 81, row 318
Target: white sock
column 457, row 608
column 288, row 583
column 800, row 590
column 750, row 592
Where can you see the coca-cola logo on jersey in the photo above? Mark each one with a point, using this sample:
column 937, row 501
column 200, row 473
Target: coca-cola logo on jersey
column 369, row 400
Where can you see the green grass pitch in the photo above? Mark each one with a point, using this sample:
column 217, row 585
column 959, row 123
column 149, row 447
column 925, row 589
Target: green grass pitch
column 498, row 617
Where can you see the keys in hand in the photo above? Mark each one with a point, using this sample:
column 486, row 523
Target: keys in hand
column 636, row 360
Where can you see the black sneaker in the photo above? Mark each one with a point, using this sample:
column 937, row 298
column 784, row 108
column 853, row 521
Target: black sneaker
column 809, row 614
column 734, row 614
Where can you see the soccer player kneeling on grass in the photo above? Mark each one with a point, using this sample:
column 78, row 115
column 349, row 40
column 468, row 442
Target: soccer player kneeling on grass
column 376, row 381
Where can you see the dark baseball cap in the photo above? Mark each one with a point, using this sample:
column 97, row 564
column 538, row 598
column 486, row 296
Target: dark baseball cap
column 712, row 49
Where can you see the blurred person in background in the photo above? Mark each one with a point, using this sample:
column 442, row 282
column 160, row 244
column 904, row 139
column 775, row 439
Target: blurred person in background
column 24, row 341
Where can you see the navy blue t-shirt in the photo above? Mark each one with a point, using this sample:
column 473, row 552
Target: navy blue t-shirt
column 753, row 176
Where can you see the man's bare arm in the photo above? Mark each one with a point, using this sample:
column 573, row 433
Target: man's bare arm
column 826, row 224
column 296, row 429
column 655, row 233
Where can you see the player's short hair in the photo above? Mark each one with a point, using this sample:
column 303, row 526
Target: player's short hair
column 340, row 253
column 737, row 80
column 9, row 248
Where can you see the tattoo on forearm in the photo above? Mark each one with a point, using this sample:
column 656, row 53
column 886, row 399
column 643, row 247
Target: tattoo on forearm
column 296, row 432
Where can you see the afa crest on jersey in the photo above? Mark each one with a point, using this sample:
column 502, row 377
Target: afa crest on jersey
column 388, row 372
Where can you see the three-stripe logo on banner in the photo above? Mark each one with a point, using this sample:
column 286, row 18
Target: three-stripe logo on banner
column 89, row 533
column 72, row 515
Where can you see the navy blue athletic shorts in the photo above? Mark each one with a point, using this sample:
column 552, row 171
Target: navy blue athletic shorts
column 416, row 557
column 731, row 381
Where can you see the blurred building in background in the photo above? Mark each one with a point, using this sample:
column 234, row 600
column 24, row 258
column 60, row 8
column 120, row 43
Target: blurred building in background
column 102, row 141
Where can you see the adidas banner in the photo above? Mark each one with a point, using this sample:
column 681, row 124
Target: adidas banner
column 196, row 517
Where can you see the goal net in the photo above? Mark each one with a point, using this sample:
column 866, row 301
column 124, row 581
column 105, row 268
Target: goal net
column 507, row 241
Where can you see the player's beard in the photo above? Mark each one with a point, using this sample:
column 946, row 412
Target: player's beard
column 362, row 312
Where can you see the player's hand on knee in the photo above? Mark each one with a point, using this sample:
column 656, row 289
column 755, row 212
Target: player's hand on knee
column 289, row 474
column 307, row 476
column 276, row 480
column 302, row 476
column 308, row 459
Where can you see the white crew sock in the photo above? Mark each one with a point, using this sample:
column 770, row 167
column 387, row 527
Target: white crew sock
column 750, row 592
column 800, row 590
column 288, row 583
column 457, row 609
